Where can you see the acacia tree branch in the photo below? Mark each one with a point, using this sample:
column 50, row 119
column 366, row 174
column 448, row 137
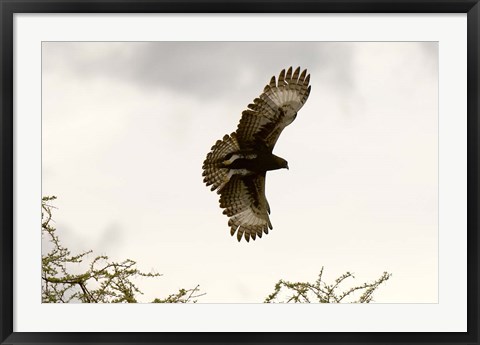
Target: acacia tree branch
column 300, row 292
column 102, row 281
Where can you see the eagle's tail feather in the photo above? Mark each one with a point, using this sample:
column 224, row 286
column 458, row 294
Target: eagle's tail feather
column 214, row 171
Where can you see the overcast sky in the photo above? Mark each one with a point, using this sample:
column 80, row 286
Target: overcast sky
column 126, row 127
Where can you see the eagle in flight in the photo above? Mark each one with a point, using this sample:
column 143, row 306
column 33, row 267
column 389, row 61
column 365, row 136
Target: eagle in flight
column 236, row 166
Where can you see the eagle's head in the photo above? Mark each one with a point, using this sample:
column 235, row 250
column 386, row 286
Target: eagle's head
column 282, row 163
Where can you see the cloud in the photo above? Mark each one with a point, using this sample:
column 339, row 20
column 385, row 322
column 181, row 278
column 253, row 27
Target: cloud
column 203, row 69
column 111, row 237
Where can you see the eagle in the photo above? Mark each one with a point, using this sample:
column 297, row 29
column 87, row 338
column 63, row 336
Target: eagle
column 237, row 165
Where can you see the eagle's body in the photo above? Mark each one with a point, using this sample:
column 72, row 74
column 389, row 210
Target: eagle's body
column 236, row 166
column 254, row 161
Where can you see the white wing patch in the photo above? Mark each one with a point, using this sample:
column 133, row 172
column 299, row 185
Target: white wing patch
column 248, row 217
column 237, row 156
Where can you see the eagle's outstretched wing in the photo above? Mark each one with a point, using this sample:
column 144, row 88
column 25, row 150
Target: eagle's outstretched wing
column 244, row 202
column 276, row 108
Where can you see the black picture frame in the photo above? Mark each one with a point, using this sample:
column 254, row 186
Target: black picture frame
column 9, row 7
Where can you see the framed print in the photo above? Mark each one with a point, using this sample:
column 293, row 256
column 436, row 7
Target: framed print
column 138, row 139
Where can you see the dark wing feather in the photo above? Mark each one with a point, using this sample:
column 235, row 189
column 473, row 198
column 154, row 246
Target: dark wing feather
column 244, row 202
column 276, row 108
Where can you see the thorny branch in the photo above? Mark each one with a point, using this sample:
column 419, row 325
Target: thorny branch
column 321, row 292
column 103, row 281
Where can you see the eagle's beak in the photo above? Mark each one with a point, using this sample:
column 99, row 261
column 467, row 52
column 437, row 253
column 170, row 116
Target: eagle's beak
column 287, row 167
